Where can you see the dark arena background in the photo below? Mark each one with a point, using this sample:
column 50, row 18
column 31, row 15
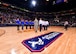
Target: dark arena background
column 19, row 33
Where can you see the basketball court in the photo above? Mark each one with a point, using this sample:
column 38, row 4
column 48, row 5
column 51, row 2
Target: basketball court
column 11, row 41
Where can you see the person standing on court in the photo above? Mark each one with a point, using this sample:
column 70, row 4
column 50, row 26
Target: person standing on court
column 22, row 23
column 36, row 24
column 40, row 24
column 46, row 23
column 66, row 25
column 18, row 23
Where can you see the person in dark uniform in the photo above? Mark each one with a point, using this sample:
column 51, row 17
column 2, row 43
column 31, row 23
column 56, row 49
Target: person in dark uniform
column 0, row 19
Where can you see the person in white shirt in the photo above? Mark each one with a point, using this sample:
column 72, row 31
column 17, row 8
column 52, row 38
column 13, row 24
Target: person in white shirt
column 40, row 23
column 45, row 25
column 36, row 24
column 66, row 25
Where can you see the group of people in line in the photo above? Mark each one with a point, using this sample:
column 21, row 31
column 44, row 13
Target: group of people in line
column 36, row 23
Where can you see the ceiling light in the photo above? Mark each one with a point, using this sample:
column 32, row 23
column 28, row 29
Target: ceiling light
column 47, row 0
column 25, row 0
column 33, row 2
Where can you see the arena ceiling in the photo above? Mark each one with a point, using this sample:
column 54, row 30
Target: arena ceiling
column 43, row 5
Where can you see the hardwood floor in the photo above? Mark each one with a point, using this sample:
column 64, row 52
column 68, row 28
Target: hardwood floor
column 2, row 32
column 10, row 42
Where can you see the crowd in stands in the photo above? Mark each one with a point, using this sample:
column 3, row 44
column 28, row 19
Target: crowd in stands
column 10, row 18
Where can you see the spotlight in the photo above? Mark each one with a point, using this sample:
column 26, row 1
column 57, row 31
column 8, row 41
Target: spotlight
column 47, row 0
column 34, row 3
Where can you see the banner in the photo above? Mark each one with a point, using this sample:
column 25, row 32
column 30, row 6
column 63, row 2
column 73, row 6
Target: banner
column 60, row 1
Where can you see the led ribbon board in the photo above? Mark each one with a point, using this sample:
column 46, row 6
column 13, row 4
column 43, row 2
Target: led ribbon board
column 38, row 43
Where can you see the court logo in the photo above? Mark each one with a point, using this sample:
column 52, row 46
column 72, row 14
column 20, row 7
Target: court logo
column 37, row 44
